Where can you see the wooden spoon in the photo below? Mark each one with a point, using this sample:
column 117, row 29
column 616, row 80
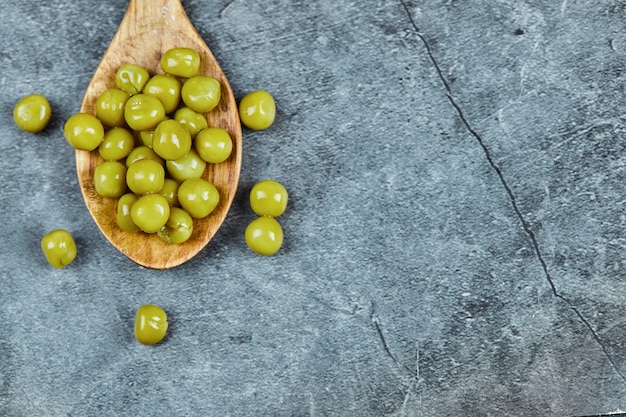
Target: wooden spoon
column 148, row 29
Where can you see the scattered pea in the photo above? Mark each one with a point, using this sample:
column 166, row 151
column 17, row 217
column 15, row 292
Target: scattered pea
column 264, row 235
column 257, row 110
column 32, row 113
column 150, row 324
column 59, row 248
column 268, row 198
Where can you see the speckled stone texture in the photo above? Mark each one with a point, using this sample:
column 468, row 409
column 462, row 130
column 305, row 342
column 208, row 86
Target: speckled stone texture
column 454, row 241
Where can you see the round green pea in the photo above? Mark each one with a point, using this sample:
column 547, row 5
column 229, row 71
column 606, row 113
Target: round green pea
column 181, row 62
column 171, row 140
column 193, row 121
column 123, row 218
column 201, row 93
column 268, row 198
column 257, row 110
column 145, row 176
column 83, row 131
column 213, row 144
column 264, row 236
column 198, row 197
column 189, row 166
column 32, row 113
column 59, row 248
column 142, row 152
column 143, row 112
column 178, row 228
column 118, row 142
column 109, row 179
column 131, row 78
column 110, row 107
column 166, row 88
column 170, row 192
column 150, row 212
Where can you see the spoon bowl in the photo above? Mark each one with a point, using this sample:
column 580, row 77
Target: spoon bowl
column 150, row 28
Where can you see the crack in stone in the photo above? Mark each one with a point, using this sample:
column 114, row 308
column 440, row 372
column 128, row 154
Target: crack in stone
column 524, row 223
column 415, row 381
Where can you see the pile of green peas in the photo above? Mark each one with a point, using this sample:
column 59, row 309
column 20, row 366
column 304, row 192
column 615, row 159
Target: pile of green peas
column 155, row 142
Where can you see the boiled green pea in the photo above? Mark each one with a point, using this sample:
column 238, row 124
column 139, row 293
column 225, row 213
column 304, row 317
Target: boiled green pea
column 178, row 228
column 110, row 107
column 123, row 218
column 150, row 212
column 145, row 176
column 257, row 110
column 213, row 144
column 201, row 93
column 189, row 166
column 171, row 140
column 118, row 142
column 83, row 131
column 198, row 197
column 109, row 179
column 166, row 89
column 143, row 112
column 32, row 113
column 193, row 121
column 181, row 62
column 131, row 78
column 59, row 248
column 264, row 235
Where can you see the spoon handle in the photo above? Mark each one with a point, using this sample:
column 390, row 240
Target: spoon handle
column 145, row 15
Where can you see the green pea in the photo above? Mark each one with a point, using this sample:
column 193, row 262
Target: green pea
column 110, row 107
column 198, row 197
column 32, row 113
column 189, row 166
column 166, row 88
column 143, row 112
column 181, row 62
column 118, row 142
column 124, row 219
column 170, row 192
column 201, row 93
column 178, row 228
column 268, row 198
column 109, row 179
column 83, row 131
column 257, row 110
column 145, row 176
column 145, row 137
column 59, row 248
column 150, row 212
column 264, row 236
column 213, row 144
column 131, row 78
column 193, row 121
column 171, row 140
column 150, row 324
column 142, row 152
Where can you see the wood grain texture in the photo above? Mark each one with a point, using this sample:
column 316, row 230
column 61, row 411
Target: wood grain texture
column 148, row 29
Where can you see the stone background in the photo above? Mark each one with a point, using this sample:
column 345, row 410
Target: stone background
column 454, row 242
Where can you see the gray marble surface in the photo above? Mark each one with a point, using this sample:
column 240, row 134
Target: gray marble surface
column 454, row 242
